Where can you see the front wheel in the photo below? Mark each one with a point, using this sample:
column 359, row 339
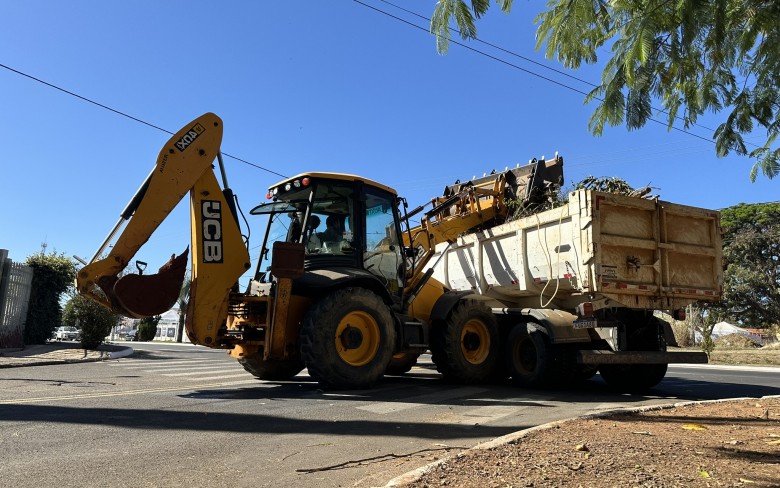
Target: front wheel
column 347, row 339
column 464, row 347
column 278, row 370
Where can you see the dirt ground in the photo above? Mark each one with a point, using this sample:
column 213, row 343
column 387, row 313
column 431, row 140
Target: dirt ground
column 713, row 444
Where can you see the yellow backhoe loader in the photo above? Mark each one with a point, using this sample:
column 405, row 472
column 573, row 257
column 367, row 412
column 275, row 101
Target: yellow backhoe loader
column 340, row 286
column 348, row 288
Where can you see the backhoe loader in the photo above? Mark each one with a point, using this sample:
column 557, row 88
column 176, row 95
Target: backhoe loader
column 348, row 288
column 341, row 285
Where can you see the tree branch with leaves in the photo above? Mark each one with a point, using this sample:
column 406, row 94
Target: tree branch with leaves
column 693, row 57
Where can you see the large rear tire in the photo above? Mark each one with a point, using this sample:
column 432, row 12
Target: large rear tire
column 347, row 339
column 632, row 378
column 280, row 370
column 401, row 363
column 465, row 346
column 647, row 334
column 530, row 357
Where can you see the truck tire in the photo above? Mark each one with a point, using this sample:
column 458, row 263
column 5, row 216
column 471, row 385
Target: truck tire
column 465, row 346
column 347, row 339
column 632, row 378
column 635, row 378
column 401, row 363
column 279, row 370
column 531, row 358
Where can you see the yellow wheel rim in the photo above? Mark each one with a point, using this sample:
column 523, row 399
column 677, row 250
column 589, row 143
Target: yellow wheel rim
column 357, row 338
column 475, row 341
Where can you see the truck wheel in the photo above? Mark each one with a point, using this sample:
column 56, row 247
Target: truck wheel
column 635, row 378
column 278, row 370
column 530, row 357
column 401, row 363
column 465, row 346
column 347, row 339
column 632, row 378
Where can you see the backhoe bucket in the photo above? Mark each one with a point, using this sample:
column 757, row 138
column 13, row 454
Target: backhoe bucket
column 141, row 296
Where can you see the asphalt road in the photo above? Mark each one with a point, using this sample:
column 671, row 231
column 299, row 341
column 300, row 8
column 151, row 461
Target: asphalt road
column 181, row 415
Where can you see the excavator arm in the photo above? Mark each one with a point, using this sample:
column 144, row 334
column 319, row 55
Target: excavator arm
column 219, row 256
column 477, row 203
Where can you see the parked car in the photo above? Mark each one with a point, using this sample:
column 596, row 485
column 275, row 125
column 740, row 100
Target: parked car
column 131, row 336
column 66, row 333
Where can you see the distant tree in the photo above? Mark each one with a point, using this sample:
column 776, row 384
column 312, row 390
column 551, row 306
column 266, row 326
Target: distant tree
column 752, row 277
column 692, row 57
column 95, row 321
column 748, row 216
column 147, row 328
column 52, row 275
column 751, row 256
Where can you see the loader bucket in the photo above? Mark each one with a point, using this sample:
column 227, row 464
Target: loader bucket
column 141, row 296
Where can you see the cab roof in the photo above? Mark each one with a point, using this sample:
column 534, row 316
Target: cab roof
column 336, row 176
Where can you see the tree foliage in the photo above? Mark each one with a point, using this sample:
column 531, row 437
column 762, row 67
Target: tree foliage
column 147, row 328
column 758, row 217
column 751, row 255
column 52, row 275
column 692, row 56
column 95, row 321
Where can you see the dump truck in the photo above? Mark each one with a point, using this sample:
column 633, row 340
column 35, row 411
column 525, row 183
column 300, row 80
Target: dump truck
column 585, row 279
column 352, row 285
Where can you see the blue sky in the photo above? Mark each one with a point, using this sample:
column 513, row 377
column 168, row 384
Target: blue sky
column 300, row 86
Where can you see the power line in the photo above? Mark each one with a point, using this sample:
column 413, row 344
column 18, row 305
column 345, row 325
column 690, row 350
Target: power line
column 532, row 73
column 124, row 114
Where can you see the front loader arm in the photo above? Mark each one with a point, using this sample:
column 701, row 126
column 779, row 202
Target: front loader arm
column 183, row 165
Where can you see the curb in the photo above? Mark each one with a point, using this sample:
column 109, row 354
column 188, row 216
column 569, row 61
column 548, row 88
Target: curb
column 416, row 474
column 105, row 355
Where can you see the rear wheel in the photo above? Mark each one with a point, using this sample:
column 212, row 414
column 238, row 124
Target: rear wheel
column 531, row 358
column 645, row 334
column 278, row 370
column 401, row 363
column 465, row 346
column 632, row 377
column 347, row 339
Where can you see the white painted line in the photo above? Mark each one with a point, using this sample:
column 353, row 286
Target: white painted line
column 189, row 368
column 384, row 408
column 157, row 364
column 727, row 367
column 201, row 373
column 482, row 415
column 225, row 376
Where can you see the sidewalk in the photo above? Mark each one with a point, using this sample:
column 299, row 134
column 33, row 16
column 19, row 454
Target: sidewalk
column 59, row 353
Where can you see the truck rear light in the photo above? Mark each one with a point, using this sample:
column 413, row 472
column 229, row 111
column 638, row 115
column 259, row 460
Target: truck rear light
column 585, row 309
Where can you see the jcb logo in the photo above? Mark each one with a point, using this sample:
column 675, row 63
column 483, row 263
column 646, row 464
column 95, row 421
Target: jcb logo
column 211, row 226
column 189, row 137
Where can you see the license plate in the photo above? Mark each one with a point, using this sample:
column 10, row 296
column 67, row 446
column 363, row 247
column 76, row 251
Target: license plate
column 585, row 324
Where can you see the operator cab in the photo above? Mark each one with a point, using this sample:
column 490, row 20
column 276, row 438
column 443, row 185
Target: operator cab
column 343, row 222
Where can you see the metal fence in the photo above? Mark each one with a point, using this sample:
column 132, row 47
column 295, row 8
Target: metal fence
column 15, row 286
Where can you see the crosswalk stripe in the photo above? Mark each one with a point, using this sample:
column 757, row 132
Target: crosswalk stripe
column 480, row 415
column 195, row 373
column 187, row 368
column 224, row 376
column 162, row 364
column 385, row 408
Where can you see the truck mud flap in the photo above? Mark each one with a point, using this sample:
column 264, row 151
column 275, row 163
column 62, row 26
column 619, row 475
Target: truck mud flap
column 640, row 357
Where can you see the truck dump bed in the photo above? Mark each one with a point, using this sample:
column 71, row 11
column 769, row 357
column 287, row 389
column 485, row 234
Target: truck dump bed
column 607, row 249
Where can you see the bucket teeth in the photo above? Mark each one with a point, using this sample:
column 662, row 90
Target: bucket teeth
column 139, row 296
